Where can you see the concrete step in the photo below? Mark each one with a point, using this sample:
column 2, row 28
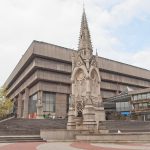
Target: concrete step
column 23, row 138
column 30, row 126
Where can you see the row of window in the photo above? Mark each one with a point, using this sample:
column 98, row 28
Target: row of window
column 123, row 106
column 142, row 106
column 49, row 103
column 141, row 96
column 32, row 103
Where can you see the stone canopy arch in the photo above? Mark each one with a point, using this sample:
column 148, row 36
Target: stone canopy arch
column 96, row 70
column 73, row 76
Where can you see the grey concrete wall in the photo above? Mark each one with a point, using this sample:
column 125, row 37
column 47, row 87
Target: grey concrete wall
column 54, row 87
column 59, row 134
column 66, row 135
column 124, row 137
column 52, row 71
column 61, row 105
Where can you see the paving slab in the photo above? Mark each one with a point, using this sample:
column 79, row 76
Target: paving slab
column 73, row 146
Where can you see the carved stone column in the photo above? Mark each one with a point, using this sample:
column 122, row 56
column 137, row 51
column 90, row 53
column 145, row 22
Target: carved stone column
column 26, row 101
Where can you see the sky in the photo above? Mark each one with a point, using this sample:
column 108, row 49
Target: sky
column 120, row 29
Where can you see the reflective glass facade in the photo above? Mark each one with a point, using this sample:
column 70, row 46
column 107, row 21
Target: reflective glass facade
column 123, row 106
column 141, row 102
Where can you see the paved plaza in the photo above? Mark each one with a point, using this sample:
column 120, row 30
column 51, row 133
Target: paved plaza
column 73, row 146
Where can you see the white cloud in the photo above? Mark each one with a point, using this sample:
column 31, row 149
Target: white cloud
column 107, row 20
column 58, row 22
column 142, row 58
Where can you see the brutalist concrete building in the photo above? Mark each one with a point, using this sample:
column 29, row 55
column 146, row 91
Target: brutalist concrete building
column 44, row 72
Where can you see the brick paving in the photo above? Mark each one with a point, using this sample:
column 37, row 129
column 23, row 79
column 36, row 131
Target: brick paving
column 73, row 146
column 88, row 146
column 21, row 146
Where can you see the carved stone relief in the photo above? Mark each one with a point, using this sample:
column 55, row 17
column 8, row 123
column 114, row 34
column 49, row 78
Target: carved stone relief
column 80, row 83
column 94, row 84
column 79, row 108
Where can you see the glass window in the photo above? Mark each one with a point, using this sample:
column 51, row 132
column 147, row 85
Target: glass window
column 144, row 105
column 135, row 97
column 123, row 106
column 140, row 106
column 127, row 106
column 34, row 97
column 136, row 106
column 148, row 116
column 139, row 96
column 49, row 100
column 144, row 96
column 148, row 95
column 118, row 107
column 32, row 104
column 148, row 105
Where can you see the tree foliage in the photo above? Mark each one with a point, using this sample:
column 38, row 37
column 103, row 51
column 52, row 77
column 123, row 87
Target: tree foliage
column 6, row 104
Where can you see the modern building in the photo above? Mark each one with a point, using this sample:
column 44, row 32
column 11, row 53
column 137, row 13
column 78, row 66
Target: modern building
column 44, row 73
column 133, row 103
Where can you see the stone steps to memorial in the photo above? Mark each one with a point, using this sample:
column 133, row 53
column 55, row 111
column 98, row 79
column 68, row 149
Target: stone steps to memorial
column 30, row 126
column 33, row 126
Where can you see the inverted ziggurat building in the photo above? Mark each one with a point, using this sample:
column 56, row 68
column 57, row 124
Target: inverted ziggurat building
column 40, row 84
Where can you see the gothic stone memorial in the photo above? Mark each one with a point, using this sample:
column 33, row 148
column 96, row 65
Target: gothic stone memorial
column 86, row 110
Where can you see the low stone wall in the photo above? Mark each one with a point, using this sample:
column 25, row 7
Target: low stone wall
column 84, row 135
column 123, row 137
column 60, row 134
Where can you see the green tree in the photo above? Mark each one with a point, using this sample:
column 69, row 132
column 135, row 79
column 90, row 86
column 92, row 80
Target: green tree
column 6, row 104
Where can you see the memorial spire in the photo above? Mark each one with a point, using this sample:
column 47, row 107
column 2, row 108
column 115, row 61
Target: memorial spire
column 85, row 45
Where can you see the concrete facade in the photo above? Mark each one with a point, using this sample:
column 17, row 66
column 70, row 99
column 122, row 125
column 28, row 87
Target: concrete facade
column 47, row 67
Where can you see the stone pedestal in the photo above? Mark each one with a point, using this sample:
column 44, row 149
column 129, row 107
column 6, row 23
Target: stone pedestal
column 102, row 128
column 89, row 122
column 71, row 123
column 79, row 123
column 100, row 118
column 100, row 113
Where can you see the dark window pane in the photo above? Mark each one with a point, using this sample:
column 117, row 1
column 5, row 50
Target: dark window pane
column 49, row 100
column 32, row 104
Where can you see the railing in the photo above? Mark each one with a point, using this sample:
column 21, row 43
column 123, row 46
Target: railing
column 7, row 116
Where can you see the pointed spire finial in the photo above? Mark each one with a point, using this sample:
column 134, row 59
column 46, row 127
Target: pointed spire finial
column 83, row 6
column 85, row 44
